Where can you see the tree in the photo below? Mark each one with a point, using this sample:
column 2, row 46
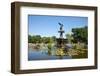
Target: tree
column 38, row 38
column 29, row 38
column 46, row 39
column 69, row 38
column 34, row 39
column 54, row 38
column 80, row 34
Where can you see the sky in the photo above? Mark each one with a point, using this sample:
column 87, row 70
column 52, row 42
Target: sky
column 48, row 25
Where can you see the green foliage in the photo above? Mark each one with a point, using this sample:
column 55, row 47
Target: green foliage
column 39, row 39
column 79, row 46
column 69, row 37
column 35, row 39
column 80, row 34
column 29, row 38
column 60, row 52
column 53, row 38
column 45, row 40
column 49, row 46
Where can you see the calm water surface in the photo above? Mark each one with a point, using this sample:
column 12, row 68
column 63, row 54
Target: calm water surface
column 44, row 54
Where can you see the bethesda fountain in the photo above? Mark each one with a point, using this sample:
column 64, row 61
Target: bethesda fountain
column 61, row 41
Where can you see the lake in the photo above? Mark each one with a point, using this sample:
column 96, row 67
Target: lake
column 45, row 54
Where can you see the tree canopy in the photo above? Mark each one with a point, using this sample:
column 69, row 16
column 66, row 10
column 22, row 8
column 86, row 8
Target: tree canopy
column 39, row 39
column 80, row 34
column 77, row 35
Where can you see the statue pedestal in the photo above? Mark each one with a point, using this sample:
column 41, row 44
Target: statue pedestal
column 61, row 42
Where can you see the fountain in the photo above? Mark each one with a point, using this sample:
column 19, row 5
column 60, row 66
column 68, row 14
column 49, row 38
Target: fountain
column 61, row 41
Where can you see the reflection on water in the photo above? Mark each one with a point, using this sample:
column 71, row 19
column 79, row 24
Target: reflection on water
column 47, row 54
column 51, row 52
